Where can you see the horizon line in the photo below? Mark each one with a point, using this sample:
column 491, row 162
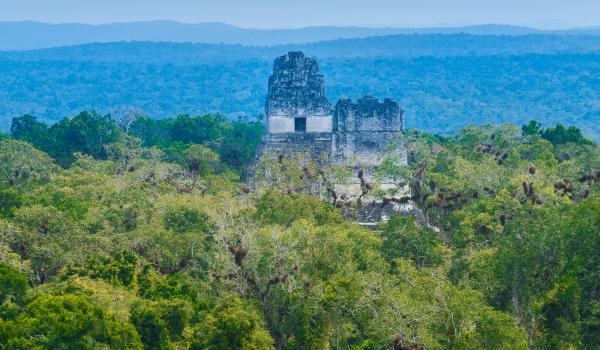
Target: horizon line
column 339, row 26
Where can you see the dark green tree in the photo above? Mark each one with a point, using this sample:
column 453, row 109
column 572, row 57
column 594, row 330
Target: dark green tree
column 533, row 128
column 9, row 201
column 403, row 238
column 87, row 133
column 28, row 128
column 161, row 323
column 13, row 284
column 231, row 325
column 66, row 322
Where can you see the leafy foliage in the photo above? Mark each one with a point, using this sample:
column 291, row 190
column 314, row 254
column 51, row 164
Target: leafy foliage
column 149, row 241
column 9, row 201
column 403, row 238
column 21, row 164
column 275, row 208
column 85, row 133
column 159, row 323
column 557, row 136
column 231, row 325
column 66, row 322
column 13, row 284
column 206, row 144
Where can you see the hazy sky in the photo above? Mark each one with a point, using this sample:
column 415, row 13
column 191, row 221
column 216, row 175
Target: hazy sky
column 297, row 13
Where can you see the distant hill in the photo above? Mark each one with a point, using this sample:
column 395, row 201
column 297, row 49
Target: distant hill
column 28, row 35
column 414, row 45
column 443, row 81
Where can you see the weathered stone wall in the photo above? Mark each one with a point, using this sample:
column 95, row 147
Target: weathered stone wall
column 353, row 132
column 361, row 148
column 316, row 144
column 297, row 90
column 363, row 131
column 297, row 87
column 357, row 134
column 319, row 124
column 280, row 124
column 285, row 124
column 368, row 114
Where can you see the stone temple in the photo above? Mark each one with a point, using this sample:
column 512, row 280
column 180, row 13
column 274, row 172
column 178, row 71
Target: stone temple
column 299, row 117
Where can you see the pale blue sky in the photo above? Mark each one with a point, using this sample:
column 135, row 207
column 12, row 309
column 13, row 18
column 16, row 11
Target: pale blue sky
column 297, row 13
